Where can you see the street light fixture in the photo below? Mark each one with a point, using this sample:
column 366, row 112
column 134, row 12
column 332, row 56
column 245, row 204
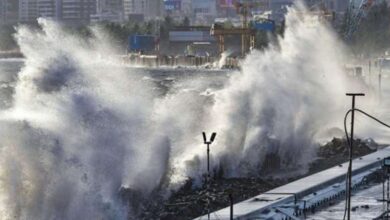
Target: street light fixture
column 213, row 135
column 350, row 153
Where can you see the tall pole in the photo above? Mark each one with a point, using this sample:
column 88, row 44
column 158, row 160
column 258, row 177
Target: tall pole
column 208, row 181
column 380, row 85
column 208, row 142
column 369, row 72
column 208, row 160
column 380, row 78
column 349, row 190
column 383, row 188
column 388, row 196
column 231, row 205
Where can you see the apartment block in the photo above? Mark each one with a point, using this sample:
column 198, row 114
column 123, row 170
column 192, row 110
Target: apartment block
column 28, row 10
column 148, row 9
column 8, row 11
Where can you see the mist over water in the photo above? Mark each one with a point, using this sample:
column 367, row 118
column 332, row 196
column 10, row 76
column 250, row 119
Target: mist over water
column 81, row 127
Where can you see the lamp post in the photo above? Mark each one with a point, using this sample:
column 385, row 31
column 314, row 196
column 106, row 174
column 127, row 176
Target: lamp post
column 231, row 204
column 213, row 135
column 350, row 153
column 348, row 188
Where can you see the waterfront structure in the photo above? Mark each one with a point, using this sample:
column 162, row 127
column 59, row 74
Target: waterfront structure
column 305, row 195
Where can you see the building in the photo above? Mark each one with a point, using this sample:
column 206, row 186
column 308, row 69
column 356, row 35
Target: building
column 154, row 9
column 226, row 9
column 28, row 11
column 173, row 8
column 47, row 8
column 204, row 11
column 186, row 8
column 75, row 12
column 134, row 8
column 110, row 10
column 72, row 12
column 8, row 11
column 148, row 9
column 178, row 9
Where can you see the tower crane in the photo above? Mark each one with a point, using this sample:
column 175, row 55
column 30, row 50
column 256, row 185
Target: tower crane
column 354, row 19
column 244, row 9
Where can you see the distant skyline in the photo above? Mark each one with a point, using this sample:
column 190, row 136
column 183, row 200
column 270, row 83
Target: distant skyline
column 75, row 12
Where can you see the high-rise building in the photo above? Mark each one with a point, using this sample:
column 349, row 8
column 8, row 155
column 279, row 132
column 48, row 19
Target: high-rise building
column 28, row 11
column 128, row 7
column 8, row 11
column 205, row 11
column 154, row 9
column 73, row 12
column 110, row 5
column 47, row 8
column 186, row 8
column 109, row 10
column 76, row 11
column 178, row 9
column 149, row 9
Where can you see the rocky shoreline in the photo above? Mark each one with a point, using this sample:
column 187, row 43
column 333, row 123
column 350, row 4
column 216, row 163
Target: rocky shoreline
column 190, row 202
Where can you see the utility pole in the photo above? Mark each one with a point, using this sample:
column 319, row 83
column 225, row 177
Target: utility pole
column 380, row 63
column 369, row 72
column 349, row 190
column 380, row 85
column 208, row 168
column 231, row 205
column 388, row 197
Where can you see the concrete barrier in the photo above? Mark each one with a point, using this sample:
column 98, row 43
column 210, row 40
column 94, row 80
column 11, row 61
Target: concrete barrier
column 165, row 60
column 306, row 194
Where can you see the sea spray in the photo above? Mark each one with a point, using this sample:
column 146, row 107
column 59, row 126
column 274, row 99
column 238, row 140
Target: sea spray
column 83, row 129
column 281, row 102
column 78, row 128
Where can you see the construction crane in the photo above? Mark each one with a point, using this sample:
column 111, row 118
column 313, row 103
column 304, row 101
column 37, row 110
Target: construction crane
column 244, row 8
column 246, row 31
column 354, row 14
column 354, row 19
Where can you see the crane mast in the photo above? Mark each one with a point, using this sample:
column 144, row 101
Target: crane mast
column 354, row 18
